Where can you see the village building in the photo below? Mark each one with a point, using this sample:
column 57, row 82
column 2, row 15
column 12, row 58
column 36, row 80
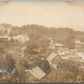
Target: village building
column 65, row 57
column 21, row 38
column 58, row 47
column 61, row 49
column 37, row 72
column 79, row 42
column 5, row 37
column 75, row 57
column 53, row 59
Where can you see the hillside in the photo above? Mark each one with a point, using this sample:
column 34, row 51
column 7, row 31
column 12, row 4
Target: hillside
column 65, row 36
column 26, row 47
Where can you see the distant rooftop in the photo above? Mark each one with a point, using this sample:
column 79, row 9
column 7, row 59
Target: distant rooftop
column 37, row 72
column 59, row 44
column 80, row 37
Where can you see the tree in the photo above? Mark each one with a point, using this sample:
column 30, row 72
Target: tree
column 36, row 49
column 20, row 67
column 9, row 63
column 44, row 65
column 68, row 68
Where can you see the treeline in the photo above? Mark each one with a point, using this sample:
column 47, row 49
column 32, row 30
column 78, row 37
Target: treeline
column 65, row 36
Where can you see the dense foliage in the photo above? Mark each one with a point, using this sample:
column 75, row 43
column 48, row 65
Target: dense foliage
column 37, row 50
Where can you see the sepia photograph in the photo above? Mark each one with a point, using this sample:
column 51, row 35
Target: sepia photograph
column 42, row 42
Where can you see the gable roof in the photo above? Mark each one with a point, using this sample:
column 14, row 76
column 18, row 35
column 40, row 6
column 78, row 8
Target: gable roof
column 57, row 59
column 59, row 44
column 51, row 56
column 37, row 72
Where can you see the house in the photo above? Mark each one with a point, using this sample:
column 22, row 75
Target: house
column 65, row 57
column 37, row 72
column 57, row 46
column 75, row 57
column 63, row 50
column 79, row 42
column 55, row 61
column 5, row 37
column 51, row 57
column 22, row 38
column 54, row 45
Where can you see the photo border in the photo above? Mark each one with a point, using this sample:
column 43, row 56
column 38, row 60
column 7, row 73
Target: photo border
column 41, row 83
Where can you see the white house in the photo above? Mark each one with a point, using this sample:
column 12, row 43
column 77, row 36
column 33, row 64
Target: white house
column 22, row 38
column 65, row 57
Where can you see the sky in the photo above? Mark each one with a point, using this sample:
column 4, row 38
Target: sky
column 49, row 14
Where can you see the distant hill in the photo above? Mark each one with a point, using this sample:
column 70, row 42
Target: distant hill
column 62, row 35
